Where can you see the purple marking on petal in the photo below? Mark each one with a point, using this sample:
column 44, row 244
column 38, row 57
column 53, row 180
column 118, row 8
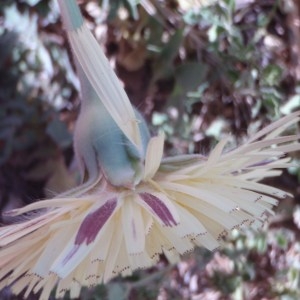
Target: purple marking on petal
column 70, row 255
column 264, row 162
column 94, row 221
column 159, row 208
column 133, row 229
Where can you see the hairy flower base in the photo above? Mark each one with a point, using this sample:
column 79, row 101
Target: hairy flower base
column 91, row 234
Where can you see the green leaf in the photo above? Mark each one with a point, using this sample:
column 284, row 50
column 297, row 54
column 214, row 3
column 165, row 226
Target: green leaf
column 191, row 17
column 231, row 5
column 132, row 7
column 212, row 33
column 170, row 51
column 282, row 240
column 190, row 75
column 261, row 244
column 271, row 75
column 113, row 9
column 292, row 104
column 116, row 291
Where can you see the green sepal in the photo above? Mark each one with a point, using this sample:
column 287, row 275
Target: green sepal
column 71, row 14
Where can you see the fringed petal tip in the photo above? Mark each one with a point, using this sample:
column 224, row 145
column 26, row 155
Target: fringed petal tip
column 101, row 240
column 117, row 236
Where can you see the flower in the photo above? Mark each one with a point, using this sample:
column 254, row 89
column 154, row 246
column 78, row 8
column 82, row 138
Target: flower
column 88, row 236
column 134, row 204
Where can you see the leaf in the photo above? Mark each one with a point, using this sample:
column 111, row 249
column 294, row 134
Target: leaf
column 296, row 216
column 33, row 2
column 190, row 75
column 292, row 104
column 132, row 7
column 6, row 150
column 113, row 8
column 116, row 291
column 170, row 51
column 271, row 75
column 191, row 17
column 212, row 33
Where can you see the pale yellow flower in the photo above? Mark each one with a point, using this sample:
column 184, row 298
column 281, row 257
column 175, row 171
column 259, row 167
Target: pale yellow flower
column 112, row 226
column 88, row 236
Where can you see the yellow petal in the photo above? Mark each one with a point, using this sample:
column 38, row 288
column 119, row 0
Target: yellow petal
column 133, row 226
column 276, row 128
column 115, row 247
column 203, row 192
column 160, row 207
column 154, row 155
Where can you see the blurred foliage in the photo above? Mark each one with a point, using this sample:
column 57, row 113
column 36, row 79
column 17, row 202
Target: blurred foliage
column 183, row 59
column 35, row 81
column 196, row 69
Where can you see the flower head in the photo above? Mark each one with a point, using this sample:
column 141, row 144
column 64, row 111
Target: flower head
column 89, row 236
column 134, row 204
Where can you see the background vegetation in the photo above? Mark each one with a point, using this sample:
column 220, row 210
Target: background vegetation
column 199, row 70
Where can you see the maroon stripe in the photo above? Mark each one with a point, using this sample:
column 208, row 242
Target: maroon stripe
column 94, row 222
column 159, row 208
